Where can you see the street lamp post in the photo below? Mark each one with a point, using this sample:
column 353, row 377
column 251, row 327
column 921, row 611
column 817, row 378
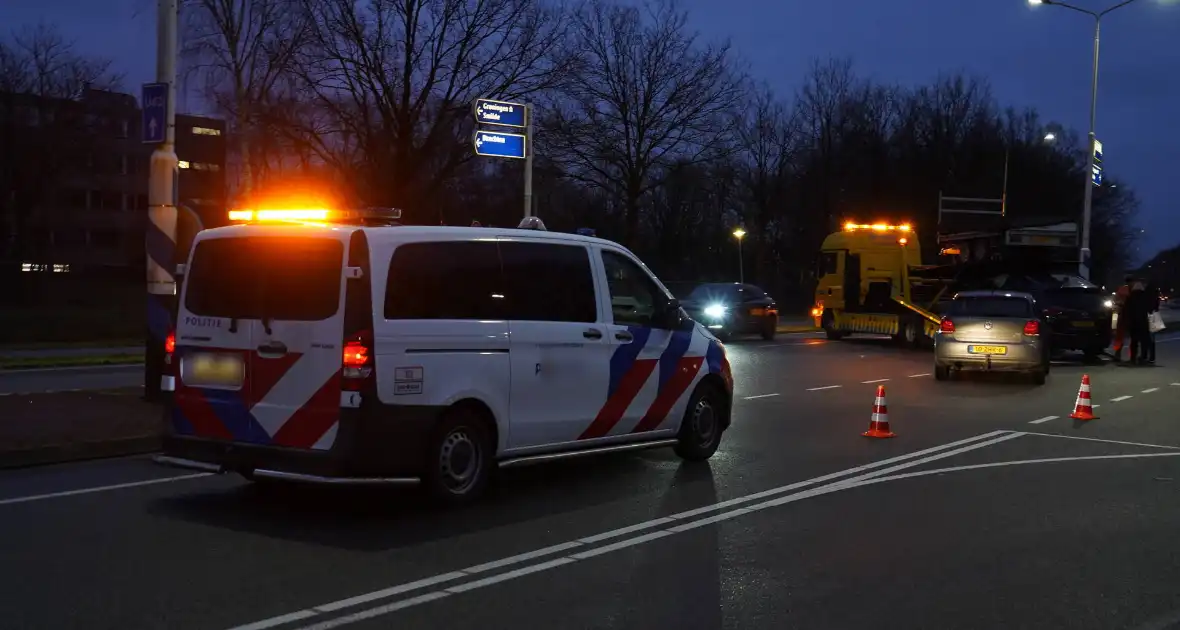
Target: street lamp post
column 1084, row 263
column 739, row 234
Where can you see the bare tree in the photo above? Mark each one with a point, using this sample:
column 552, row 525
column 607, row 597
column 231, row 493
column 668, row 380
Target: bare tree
column 767, row 150
column 646, row 95
column 243, row 51
column 390, row 83
column 44, row 130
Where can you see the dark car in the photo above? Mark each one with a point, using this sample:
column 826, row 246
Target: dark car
column 730, row 308
column 1076, row 313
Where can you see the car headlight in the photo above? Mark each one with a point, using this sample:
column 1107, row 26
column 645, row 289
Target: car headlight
column 1108, row 304
column 716, row 311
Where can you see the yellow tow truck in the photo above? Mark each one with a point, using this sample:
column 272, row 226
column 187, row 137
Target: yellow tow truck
column 872, row 281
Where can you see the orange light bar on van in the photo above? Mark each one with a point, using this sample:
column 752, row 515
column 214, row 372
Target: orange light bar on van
column 291, row 214
column 877, row 227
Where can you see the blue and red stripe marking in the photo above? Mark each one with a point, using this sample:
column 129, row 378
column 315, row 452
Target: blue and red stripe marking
column 225, row 414
column 628, row 373
column 677, row 373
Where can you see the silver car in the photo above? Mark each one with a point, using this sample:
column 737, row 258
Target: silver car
column 991, row 331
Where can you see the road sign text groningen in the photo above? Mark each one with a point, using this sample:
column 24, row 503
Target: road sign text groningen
column 497, row 144
column 489, row 112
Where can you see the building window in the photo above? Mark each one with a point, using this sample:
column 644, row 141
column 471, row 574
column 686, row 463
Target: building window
column 123, row 166
column 206, row 131
column 124, row 128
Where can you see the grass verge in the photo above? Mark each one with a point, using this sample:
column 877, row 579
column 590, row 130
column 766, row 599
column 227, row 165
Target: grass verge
column 33, row 363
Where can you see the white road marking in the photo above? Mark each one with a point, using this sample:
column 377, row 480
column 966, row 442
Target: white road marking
column 759, row 396
column 1119, row 399
column 880, row 380
column 112, row 366
column 118, row 486
column 1045, row 419
column 841, row 483
column 1087, row 439
column 816, row 389
column 1149, row 390
column 919, row 375
column 1019, row 462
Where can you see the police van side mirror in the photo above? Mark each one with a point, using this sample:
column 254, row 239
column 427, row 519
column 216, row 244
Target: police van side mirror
column 669, row 317
column 354, row 273
column 181, row 269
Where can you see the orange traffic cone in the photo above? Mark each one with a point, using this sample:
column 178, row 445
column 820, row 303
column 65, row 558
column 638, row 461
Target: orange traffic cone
column 879, row 424
column 1082, row 409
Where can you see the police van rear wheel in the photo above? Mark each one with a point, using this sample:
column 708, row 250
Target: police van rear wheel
column 700, row 431
column 460, row 463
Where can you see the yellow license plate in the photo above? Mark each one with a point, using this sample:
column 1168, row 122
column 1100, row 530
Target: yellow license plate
column 757, row 312
column 987, row 349
column 1082, row 324
column 217, row 370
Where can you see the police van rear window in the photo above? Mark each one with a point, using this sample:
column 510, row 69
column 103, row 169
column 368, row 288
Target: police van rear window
column 283, row 278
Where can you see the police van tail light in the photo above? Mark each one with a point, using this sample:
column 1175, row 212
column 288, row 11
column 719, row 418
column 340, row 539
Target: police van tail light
column 1033, row 327
column 358, row 361
column 169, row 352
column 947, row 326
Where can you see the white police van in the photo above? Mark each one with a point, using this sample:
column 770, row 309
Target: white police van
column 334, row 352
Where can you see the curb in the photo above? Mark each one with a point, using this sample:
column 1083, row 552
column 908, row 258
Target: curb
column 60, row 454
column 18, row 366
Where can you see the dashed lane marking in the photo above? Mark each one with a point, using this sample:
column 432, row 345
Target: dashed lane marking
column 880, row 380
column 919, row 375
column 759, row 396
column 1119, row 398
column 816, row 389
column 1149, row 390
column 1045, row 419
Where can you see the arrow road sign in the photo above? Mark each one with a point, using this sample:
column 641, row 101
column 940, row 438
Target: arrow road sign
column 155, row 113
column 496, row 144
column 489, row 112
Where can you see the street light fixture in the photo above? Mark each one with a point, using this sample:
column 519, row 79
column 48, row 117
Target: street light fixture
column 739, row 234
column 1084, row 253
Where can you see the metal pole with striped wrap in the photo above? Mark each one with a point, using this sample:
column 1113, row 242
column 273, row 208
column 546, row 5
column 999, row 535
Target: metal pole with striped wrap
column 160, row 239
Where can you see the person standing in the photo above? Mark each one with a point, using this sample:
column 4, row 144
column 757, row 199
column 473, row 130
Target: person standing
column 1120, row 329
column 1153, row 307
column 1135, row 310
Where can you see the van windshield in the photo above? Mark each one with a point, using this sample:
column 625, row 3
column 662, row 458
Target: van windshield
column 284, row 278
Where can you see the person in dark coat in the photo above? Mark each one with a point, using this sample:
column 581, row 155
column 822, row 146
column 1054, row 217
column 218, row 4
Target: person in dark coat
column 1135, row 309
column 1153, row 306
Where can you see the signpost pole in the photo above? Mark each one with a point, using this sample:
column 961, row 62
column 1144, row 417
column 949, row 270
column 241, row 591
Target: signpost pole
column 528, row 161
column 159, row 128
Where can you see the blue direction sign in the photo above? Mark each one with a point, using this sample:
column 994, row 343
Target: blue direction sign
column 496, row 144
column 488, row 112
column 155, row 113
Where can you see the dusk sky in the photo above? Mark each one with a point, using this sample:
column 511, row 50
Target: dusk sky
column 1032, row 56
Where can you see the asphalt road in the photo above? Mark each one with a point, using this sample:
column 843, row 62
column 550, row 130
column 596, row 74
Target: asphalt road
column 43, row 380
column 990, row 509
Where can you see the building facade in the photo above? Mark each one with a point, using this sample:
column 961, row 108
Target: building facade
column 74, row 180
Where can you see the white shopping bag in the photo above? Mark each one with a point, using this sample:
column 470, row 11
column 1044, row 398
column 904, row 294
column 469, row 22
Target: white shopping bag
column 1155, row 322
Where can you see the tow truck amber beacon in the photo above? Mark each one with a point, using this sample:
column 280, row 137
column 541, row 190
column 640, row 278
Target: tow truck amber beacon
column 330, row 346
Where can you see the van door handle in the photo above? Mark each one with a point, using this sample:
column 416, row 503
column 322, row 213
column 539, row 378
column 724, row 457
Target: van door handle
column 592, row 333
column 273, row 347
column 624, row 336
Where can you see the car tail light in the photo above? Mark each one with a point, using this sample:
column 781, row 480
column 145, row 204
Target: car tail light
column 169, row 351
column 1033, row 327
column 947, row 326
column 358, row 361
